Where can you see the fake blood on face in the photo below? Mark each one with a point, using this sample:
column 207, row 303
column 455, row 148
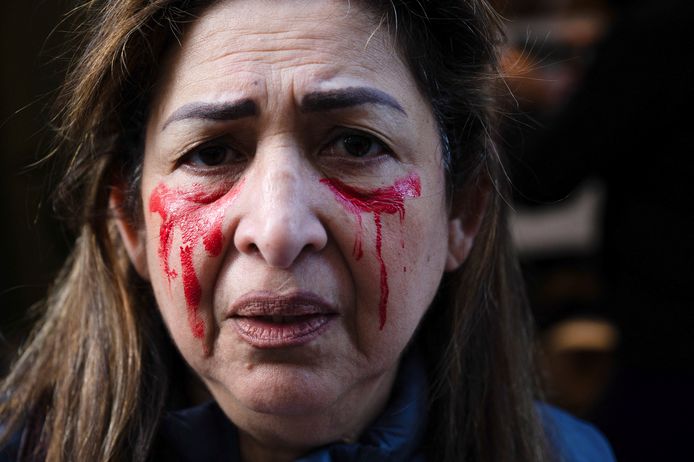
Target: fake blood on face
column 198, row 216
column 388, row 200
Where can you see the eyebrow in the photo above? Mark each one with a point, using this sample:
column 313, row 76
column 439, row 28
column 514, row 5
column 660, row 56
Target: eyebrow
column 320, row 101
column 214, row 111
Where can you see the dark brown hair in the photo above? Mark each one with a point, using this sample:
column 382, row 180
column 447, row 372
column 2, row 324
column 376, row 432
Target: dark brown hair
column 95, row 364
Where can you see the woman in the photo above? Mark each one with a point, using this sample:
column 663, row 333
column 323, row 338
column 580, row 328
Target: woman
column 307, row 195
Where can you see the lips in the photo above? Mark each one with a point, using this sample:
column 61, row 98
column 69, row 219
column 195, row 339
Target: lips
column 266, row 320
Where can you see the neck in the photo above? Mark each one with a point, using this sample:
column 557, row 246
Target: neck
column 271, row 438
column 253, row 450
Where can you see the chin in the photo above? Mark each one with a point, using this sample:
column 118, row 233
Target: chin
column 280, row 390
column 285, row 406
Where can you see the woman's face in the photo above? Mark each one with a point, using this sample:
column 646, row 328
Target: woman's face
column 295, row 224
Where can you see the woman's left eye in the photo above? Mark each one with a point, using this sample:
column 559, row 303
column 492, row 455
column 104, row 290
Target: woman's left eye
column 358, row 145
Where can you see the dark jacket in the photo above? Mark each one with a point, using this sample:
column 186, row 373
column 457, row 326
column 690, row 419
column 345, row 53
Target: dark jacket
column 204, row 433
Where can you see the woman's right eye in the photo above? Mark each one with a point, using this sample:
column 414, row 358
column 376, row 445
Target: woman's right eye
column 210, row 155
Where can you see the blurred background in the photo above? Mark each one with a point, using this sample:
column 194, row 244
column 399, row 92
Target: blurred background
column 32, row 245
column 597, row 127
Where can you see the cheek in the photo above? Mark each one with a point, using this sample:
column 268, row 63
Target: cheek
column 192, row 219
column 377, row 204
column 413, row 271
column 417, row 262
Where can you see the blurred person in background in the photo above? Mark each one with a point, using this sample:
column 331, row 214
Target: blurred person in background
column 627, row 122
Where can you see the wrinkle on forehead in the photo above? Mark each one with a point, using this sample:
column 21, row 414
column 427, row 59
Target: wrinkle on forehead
column 233, row 48
column 262, row 33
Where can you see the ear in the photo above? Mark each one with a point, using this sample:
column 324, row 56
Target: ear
column 132, row 236
column 467, row 214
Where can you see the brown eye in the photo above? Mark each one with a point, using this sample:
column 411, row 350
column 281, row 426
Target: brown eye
column 211, row 156
column 357, row 145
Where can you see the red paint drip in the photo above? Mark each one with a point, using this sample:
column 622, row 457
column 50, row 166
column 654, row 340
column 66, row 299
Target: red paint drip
column 389, row 200
column 192, row 291
column 198, row 216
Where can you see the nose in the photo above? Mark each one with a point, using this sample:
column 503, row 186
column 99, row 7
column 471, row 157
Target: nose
column 281, row 222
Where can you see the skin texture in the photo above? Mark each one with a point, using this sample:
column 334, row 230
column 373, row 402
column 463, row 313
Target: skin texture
column 285, row 231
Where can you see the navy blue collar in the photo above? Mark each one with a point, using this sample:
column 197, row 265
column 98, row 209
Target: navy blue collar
column 204, row 434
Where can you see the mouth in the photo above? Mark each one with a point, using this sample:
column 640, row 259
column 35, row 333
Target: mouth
column 266, row 320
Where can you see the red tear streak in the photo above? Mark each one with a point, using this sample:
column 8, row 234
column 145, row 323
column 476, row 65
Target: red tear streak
column 382, row 200
column 198, row 216
column 192, row 291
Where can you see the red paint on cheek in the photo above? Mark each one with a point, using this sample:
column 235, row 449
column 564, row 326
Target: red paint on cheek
column 159, row 202
column 214, row 240
column 192, row 291
column 198, row 217
column 389, row 200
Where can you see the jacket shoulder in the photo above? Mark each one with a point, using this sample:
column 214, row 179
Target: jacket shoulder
column 10, row 450
column 574, row 439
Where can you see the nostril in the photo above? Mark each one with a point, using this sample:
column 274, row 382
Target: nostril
column 313, row 247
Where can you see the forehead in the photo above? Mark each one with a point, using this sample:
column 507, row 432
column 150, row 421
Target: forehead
column 241, row 46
